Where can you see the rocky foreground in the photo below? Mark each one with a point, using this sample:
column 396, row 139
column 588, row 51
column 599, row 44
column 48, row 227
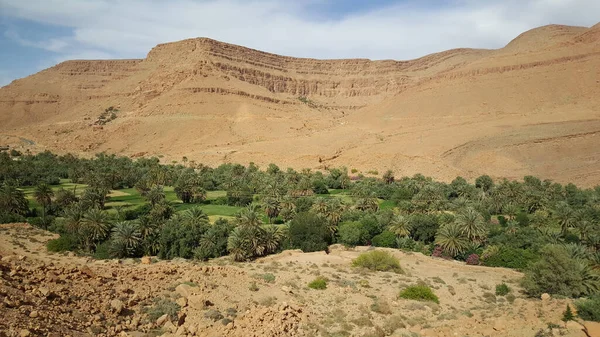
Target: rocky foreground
column 45, row 294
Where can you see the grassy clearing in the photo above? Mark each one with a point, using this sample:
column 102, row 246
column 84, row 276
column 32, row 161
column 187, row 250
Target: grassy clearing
column 130, row 198
column 386, row 204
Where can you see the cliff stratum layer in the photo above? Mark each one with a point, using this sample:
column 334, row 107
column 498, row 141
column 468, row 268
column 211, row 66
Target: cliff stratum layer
column 532, row 107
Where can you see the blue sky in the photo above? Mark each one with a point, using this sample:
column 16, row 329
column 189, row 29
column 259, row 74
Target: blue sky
column 36, row 34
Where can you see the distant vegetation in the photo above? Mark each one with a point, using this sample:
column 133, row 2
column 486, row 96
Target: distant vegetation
column 107, row 116
column 112, row 206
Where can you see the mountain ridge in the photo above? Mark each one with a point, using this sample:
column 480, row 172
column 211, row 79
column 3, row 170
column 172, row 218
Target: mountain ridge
column 216, row 102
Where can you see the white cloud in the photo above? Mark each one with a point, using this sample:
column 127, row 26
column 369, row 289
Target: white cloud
column 53, row 44
column 112, row 28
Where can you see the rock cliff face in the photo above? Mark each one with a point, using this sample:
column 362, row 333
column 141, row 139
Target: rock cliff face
column 216, row 102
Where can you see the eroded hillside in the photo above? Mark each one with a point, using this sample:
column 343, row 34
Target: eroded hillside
column 529, row 108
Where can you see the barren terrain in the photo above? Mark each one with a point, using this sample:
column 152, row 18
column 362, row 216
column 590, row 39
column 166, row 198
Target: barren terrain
column 46, row 294
column 530, row 108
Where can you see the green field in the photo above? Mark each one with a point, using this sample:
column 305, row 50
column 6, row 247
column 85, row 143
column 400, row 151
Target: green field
column 130, row 198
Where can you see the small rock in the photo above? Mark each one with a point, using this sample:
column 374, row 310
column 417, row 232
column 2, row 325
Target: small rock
column 44, row 291
column 162, row 319
column 117, row 306
column 169, row 326
column 287, row 289
column 181, row 318
column 185, row 290
column 182, row 302
column 87, row 271
column 545, row 297
column 24, row 333
column 33, row 314
column 146, row 260
column 181, row 331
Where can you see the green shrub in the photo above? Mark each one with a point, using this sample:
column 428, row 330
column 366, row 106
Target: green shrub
column 62, row 244
column 319, row 283
column 352, row 233
column 161, row 307
column 589, row 309
column 308, row 232
column 419, row 293
column 378, row 260
column 6, row 217
column 268, row 277
column 103, row 251
column 509, row 257
column 385, row 239
column 558, row 273
column 502, row 289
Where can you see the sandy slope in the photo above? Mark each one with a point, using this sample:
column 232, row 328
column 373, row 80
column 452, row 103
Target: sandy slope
column 529, row 108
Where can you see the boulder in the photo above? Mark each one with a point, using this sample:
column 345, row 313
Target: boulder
column 545, row 297
column 146, row 260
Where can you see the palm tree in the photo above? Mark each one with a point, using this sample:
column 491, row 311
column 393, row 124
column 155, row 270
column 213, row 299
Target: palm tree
column 12, row 200
column 320, row 206
column 94, row 227
column 400, row 225
column 367, row 204
column 273, row 235
column 195, row 216
column 155, row 195
column 461, row 203
column 73, row 215
column 472, row 224
column 510, row 210
column 43, row 195
column 149, row 232
column 248, row 217
column 237, row 245
column 126, row 239
column 451, row 239
column 272, row 207
column 335, row 209
column 564, row 215
column 288, row 208
column 590, row 279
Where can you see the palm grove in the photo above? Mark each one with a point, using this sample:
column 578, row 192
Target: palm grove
column 548, row 230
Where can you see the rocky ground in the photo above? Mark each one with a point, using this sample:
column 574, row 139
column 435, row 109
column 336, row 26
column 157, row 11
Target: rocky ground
column 43, row 294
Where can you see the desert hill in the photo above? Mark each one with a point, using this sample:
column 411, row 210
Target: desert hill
column 531, row 107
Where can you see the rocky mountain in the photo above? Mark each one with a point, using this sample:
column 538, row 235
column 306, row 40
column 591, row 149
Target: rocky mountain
column 531, row 107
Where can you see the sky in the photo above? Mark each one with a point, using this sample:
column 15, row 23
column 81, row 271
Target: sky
column 37, row 34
